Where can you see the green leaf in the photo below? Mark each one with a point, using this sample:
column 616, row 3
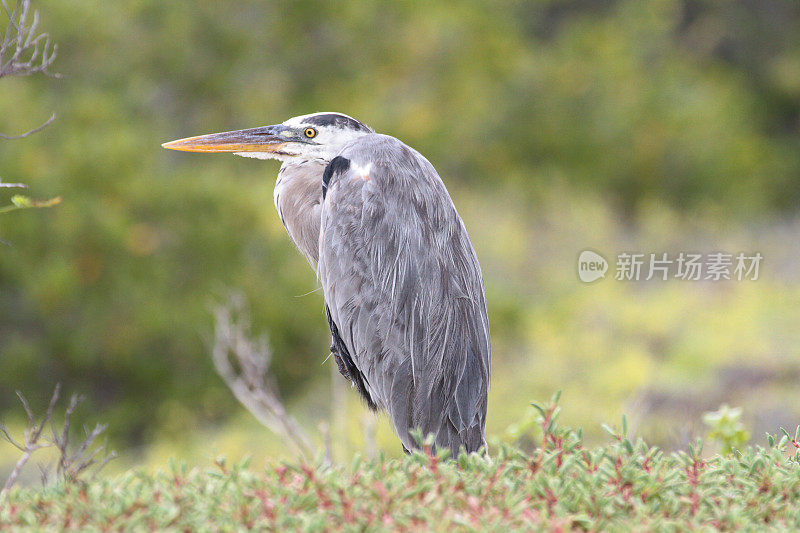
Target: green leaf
column 21, row 201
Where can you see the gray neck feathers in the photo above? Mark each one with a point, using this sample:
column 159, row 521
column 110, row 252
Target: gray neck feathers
column 298, row 197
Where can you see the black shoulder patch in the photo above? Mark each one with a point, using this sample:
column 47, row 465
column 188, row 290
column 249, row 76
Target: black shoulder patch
column 338, row 164
column 339, row 121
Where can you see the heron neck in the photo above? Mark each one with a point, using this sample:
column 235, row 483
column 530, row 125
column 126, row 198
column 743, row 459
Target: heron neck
column 298, row 197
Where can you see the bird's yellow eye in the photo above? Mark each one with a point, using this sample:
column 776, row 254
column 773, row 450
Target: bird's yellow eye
column 310, row 133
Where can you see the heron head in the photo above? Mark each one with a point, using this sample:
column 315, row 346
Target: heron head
column 317, row 136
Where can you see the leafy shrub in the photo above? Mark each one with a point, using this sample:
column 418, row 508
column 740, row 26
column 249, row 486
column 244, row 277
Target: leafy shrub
column 623, row 484
column 727, row 428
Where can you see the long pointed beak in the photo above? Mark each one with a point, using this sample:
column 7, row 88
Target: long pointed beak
column 264, row 139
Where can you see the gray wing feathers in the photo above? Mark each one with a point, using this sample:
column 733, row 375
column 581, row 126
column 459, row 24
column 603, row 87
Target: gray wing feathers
column 403, row 285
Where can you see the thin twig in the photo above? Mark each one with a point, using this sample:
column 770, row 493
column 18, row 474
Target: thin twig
column 69, row 466
column 325, row 432
column 24, row 51
column 44, row 474
column 22, row 202
column 31, row 436
column 29, row 132
column 107, row 459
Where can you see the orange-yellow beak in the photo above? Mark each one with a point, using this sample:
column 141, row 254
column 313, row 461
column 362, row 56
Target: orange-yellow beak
column 265, row 139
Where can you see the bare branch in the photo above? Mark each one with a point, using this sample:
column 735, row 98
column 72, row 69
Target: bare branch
column 250, row 382
column 27, row 408
column 22, row 51
column 325, row 433
column 83, row 458
column 70, row 467
column 32, row 437
column 18, row 467
column 12, row 185
column 368, row 423
column 44, row 474
column 107, row 459
column 29, row 132
column 62, row 441
column 7, row 436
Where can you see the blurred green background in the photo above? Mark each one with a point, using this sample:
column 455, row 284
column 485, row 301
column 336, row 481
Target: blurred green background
column 658, row 126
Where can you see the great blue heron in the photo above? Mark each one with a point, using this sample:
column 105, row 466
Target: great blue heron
column 403, row 289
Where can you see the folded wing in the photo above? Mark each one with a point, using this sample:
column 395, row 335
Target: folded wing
column 404, row 292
